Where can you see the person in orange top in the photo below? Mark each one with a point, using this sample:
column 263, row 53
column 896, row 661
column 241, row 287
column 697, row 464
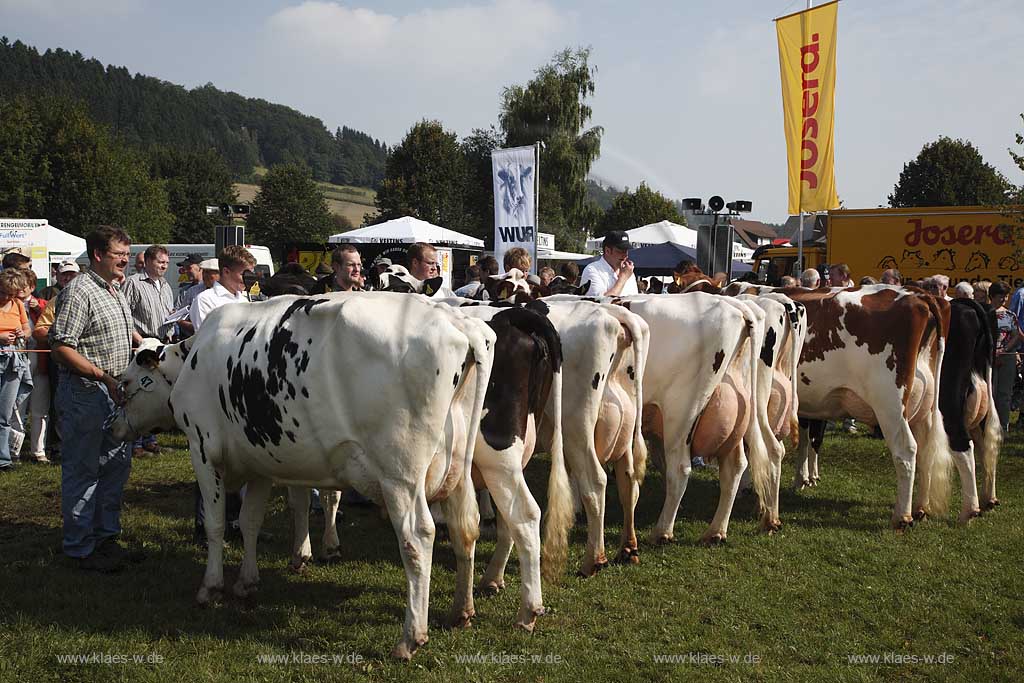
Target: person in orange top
column 15, row 376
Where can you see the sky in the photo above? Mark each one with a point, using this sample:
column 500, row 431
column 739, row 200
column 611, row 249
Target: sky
column 687, row 91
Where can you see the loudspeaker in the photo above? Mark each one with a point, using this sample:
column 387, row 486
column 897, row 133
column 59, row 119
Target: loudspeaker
column 226, row 235
column 714, row 248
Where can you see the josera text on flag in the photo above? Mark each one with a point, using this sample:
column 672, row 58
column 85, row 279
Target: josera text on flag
column 807, row 59
column 515, row 207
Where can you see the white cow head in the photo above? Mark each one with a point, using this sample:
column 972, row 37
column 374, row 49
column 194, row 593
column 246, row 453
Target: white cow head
column 514, row 178
column 147, row 384
column 514, row 286
column 398, row 279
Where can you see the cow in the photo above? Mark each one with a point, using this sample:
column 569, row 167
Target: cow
column 263, row 394
column 874, row 353
column 605, row 352
column 700, row 398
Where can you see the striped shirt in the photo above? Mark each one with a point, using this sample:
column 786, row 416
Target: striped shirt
column 187, row 292
column 150, row 302
column 92, row 317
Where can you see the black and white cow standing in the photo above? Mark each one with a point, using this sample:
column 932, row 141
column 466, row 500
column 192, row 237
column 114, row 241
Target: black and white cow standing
column 263, row 393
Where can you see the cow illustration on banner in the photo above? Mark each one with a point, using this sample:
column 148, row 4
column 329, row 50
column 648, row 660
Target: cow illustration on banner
column 515, row 201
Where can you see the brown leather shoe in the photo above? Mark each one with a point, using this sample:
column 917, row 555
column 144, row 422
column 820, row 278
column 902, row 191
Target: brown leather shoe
column 153, row 448
column 139, row 452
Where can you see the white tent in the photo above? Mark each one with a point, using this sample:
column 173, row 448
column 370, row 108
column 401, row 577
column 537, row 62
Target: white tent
column 655, row 233
column 60, row 243
column 406, row 230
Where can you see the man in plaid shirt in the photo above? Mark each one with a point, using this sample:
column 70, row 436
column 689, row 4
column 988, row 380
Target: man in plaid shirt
column 150, row 299
column 91, row 339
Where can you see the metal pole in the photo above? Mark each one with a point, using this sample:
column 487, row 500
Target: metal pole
column 800, row 238
column 536, row 206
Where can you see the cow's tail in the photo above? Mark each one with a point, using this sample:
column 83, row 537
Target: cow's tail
column 935, row 454
column 641, row 334
column 757, row 449
column 797, row 343
column 479, row 362
column 559, row 514
column 991, row 442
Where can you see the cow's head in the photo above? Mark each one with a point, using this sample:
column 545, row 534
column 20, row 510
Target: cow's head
column 560, row 285
column 513, row 179
column 396, row 278
column 514, row 286
column 147, row 384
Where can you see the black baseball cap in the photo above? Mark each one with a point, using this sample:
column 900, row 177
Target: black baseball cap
column 616, row 239
column 191, row 259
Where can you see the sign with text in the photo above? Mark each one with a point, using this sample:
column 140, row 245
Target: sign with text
column 807, row 59
column 515, row 207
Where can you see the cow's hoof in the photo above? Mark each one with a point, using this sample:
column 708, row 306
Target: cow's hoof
column 990, row 505
column 489, row 588
column 815, row 481
column 331, row 557
column 209, row 595
column 628, row 556
column 901, row 524
column 527, row 619
column 587, row 571
column 712, row 540
column 662, row 539
column 298, row 565
column 463, row 619
column 801, row 485
column 242, row 589
column 967, row 515
column 771, row 527
column 406, row 649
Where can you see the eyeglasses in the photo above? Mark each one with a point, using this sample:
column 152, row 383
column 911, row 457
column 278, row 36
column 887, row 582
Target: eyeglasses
column 119, row 254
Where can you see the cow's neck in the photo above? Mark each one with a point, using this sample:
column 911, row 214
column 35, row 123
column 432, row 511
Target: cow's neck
column 172, row 358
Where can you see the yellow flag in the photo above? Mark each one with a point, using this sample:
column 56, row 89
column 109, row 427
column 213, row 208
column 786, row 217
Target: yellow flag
column 807, row 58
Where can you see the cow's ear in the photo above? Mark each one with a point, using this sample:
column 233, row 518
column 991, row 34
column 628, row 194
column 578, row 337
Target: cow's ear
column 148, row 358
column 432, row 285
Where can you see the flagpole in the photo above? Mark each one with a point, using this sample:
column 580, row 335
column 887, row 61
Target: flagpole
column 536, row 206
column 800, row 237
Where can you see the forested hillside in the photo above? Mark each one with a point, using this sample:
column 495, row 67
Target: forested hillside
column 147, row 112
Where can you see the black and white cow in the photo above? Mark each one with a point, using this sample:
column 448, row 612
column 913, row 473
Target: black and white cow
column 264, row 394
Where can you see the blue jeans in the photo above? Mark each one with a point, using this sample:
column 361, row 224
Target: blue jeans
column 94, row 467
column 15, row 386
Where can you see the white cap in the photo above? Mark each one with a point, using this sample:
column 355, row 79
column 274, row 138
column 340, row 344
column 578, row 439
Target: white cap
column 210, row 264
column 69, row 267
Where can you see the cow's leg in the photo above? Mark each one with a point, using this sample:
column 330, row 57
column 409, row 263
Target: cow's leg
column 802, row 478
column 964, row 461
column 254, row 506
column 330, row 500
column 211, row 488
column 629, row 494
column 817, row 437
column 730, row 468
column 463, row 515
column 410, row 516
column 677, row 475
column 302, row 550
column 493, row 580
column 593, row 483
column 903, row 447
column 521, row 513
column 770, row 521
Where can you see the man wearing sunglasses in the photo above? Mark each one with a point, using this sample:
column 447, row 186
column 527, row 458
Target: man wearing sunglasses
column 234, row 262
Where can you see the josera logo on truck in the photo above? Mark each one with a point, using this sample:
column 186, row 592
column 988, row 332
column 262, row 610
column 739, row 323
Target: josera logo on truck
column 965, row 243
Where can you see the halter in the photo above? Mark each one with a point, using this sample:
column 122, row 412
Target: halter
column 120, row 410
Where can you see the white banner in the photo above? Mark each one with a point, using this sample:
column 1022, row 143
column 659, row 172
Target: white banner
column 515, row 202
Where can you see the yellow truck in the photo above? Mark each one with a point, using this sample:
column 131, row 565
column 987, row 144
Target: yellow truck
column 963, row 242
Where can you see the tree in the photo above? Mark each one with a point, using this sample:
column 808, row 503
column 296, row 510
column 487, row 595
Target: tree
column 632, row 209
column 193, row 180
column 479, row 187
column 24, row 167
column 552, row 109
column 1019, row 160
column 949, row 172
column 424, row 177
column 290, row 207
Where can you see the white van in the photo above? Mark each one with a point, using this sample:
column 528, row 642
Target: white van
column 178, row 252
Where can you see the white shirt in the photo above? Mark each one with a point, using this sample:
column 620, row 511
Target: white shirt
column 602, row 278
column 209, row 299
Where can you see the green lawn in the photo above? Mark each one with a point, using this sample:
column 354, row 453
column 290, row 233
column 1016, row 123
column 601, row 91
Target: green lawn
column 836, row 582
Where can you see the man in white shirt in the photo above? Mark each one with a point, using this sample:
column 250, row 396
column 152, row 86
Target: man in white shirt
column 612, row 274
column 233, row 263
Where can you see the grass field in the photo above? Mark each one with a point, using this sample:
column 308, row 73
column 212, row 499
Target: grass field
column 352, row 202
column 835, row 584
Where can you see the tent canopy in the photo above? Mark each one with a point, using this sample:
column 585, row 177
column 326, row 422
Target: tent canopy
column 406, row 230
column 655, row 233
column 60, row 242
